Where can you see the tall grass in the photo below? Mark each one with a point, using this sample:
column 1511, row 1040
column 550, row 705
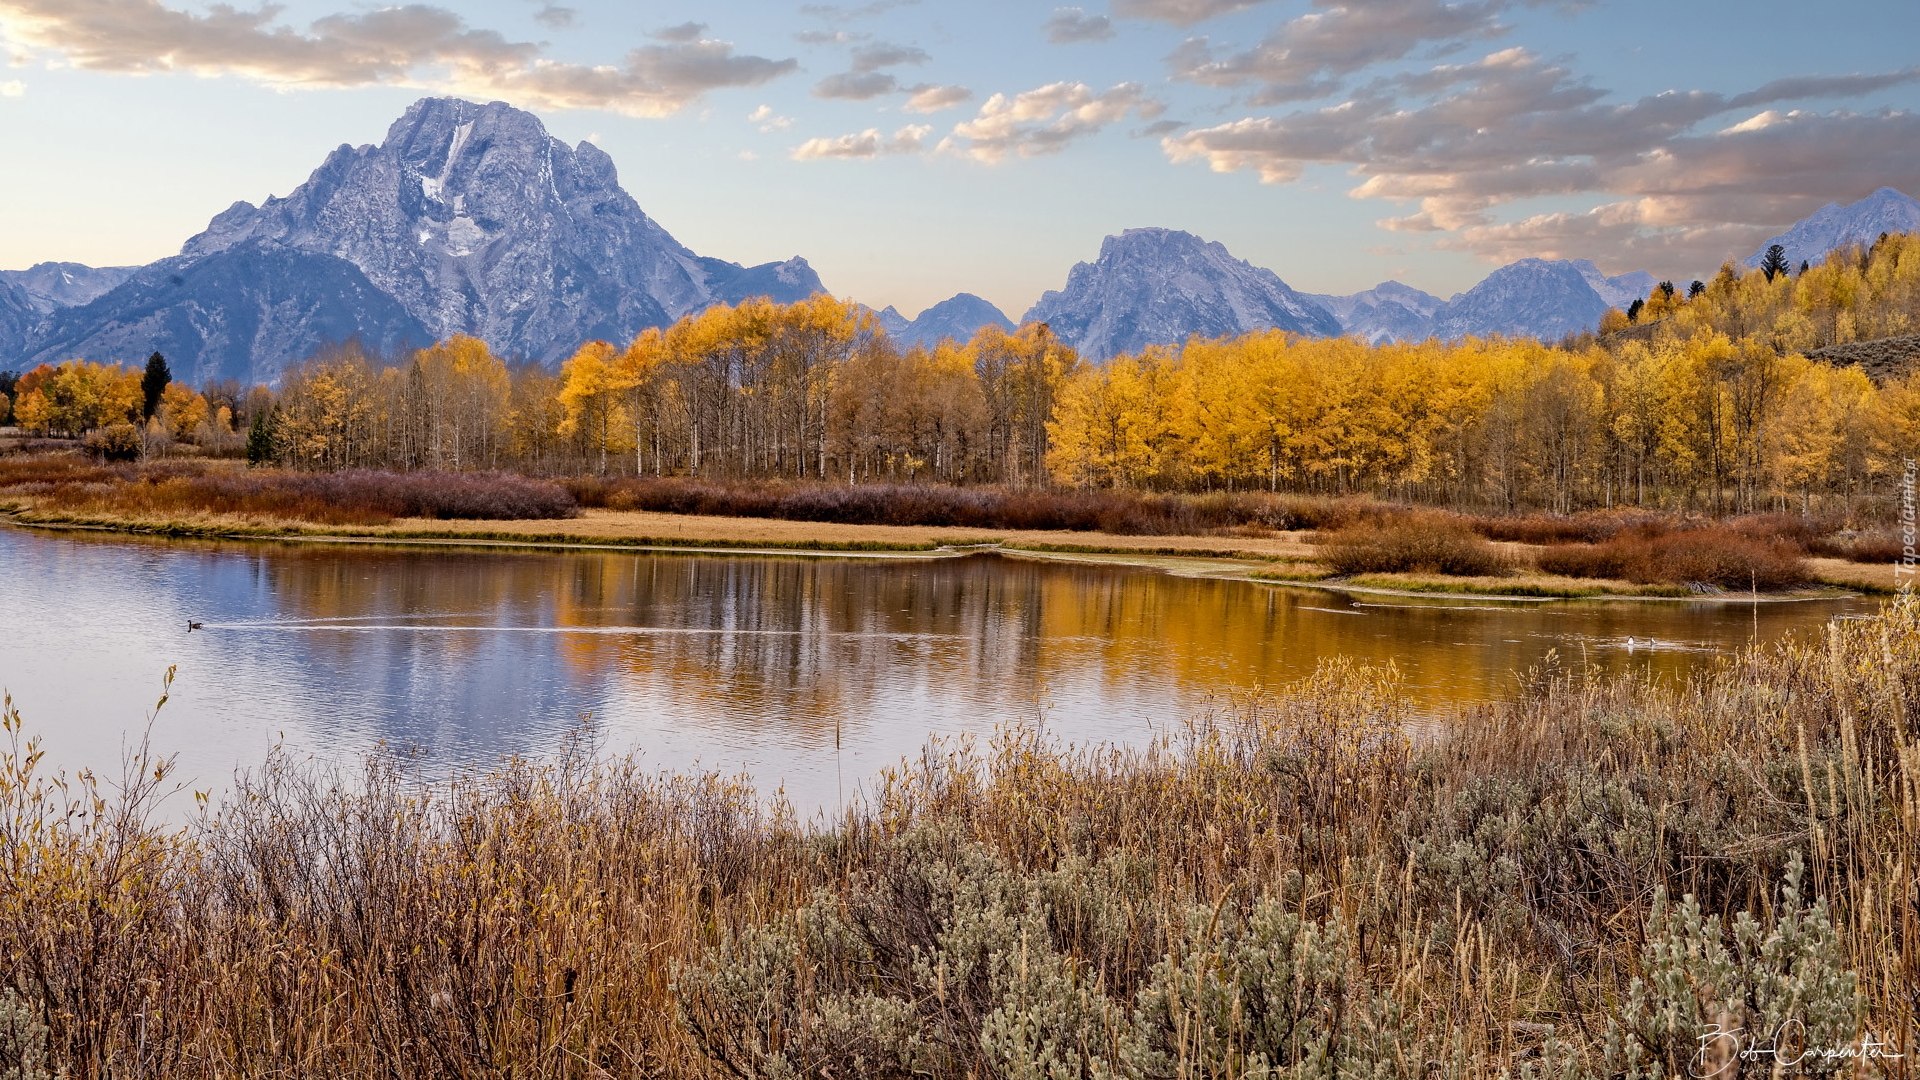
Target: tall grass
column 1575, row 882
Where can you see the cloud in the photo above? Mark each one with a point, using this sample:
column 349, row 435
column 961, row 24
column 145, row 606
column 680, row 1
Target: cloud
column 883, row 54
column 1305, row 57
column 1462, row 140
column 1071, row 24
column 415, row 46
column 929, row 98
column 1045, row 120
column 866, row 145
column 825, row 37
column 1160, row 127
column 1180, row 12
column 769, row 122
column 865, row 79
column 555, row 16
column 836, row 13
column 13, row 88
column 856, row 85
column 686, row 31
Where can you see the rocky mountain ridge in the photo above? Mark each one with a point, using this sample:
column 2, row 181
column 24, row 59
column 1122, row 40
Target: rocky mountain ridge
column 467, row 218
column 1162, row 286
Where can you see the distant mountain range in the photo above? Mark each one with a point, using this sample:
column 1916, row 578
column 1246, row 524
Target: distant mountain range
column 471, row 219
column 959, row 318
column 1834, row 226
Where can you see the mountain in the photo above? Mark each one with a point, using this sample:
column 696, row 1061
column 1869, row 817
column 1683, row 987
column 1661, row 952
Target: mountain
column 467, row 218
column 1389, row 311
column 53, row 285
column 244, row 312
column 1541, row 298
column 1835, row 226
column 958, row 317
column 1619, row 291
column 1161, row 287
column 17, row 320
column 479, row 222
column 895, row 324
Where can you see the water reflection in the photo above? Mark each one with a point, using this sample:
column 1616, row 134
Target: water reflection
column 756, row 663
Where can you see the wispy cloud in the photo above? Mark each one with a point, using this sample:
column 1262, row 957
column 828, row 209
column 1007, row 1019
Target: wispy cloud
column 928, row 98
column 866, row 77
column 1046, row 120
column 417, row 45
column 1071, row 25
column 1180, row 12
column 1305, row 57
column 1461, row 140
column 866, row 145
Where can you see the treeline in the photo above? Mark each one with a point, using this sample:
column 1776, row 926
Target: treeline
column 1702, row 401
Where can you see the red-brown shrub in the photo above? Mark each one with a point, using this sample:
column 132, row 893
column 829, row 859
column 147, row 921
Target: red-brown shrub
column 359, row 497
column 1423, row 544
column 1120, row 512
column 1714, row 556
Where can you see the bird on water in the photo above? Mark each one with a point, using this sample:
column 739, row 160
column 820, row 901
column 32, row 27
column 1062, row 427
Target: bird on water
column 192, row 626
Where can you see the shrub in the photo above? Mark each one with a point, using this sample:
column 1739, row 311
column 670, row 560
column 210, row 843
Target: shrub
column 1126, row 513
column 1423, row 545
column 23, row 1040
column 1861, row 547
column 1718, row 556
column 1786, row 988
column 116, row 442
column 1589, row 527
column 359, row 497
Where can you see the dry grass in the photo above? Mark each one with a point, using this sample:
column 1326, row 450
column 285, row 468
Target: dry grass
column 1290, row 880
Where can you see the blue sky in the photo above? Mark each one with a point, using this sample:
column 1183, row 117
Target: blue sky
column 914, row 150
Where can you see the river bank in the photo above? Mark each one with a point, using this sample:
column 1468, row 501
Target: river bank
column 1286, row 558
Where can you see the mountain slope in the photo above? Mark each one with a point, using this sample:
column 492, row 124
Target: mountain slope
column 959, row 317
column 244, row 313
column 1835, row 226
column 53, row 285
column 1541, row 298
column 17, row 320
column 1389, row 311
column 479, row 222
column 1162, row 286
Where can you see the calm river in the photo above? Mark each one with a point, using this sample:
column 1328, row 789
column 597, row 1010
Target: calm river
column 736, row 662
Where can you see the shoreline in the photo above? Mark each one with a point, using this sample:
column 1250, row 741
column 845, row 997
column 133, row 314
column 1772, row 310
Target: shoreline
column 1188, row 556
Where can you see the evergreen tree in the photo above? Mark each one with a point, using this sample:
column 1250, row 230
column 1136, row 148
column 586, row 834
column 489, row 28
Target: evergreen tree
column 154, row 383
column 1696, row 288
column 1633, row 310
column 1667, row 288
column 1775, row 263
column 1803, row 266
column 263, row 437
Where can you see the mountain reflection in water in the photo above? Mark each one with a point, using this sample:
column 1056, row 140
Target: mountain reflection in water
column 737, row 662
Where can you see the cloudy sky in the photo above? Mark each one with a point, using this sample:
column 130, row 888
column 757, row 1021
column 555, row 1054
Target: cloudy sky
column 911, row 149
